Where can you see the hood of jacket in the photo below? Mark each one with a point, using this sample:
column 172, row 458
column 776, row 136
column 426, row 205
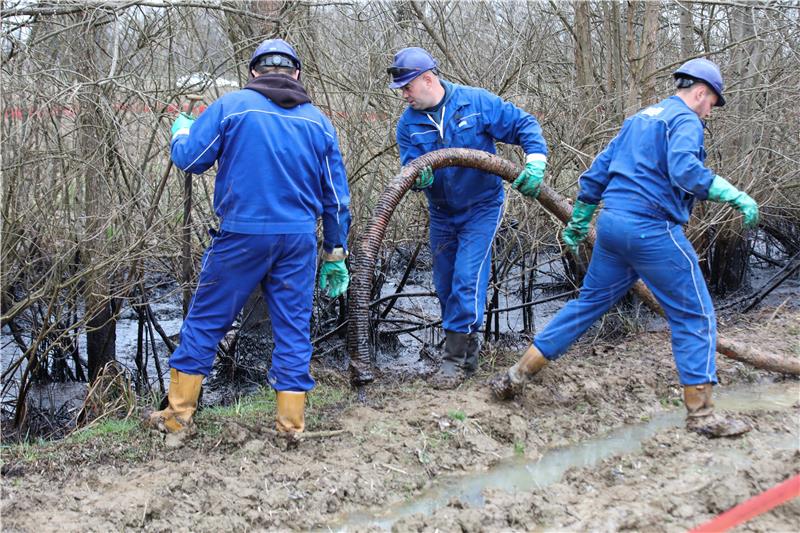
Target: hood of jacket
column 285, row 91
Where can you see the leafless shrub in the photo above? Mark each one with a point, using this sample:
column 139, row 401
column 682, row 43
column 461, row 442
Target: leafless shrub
column 88, row 91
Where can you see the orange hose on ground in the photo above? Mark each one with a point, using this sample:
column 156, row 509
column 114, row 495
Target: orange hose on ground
column 755, row 506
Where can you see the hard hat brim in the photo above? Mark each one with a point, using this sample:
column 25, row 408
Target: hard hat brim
column 402, row 81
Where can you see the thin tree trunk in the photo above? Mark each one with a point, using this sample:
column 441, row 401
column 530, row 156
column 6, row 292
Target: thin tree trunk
column 632, row 94
column 583, row 47
column 641, row 49
column 92, row 145
column 647, row 49
column 730, row 255
column 687, row 29
column 615, row 75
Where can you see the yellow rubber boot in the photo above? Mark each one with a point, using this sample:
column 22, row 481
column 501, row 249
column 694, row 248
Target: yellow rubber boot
column 701, row 418
column 290, row 415
column 510, row 383
column 531, row 363
column 184, row 390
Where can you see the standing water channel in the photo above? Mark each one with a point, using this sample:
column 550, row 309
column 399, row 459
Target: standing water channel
column 521, row 474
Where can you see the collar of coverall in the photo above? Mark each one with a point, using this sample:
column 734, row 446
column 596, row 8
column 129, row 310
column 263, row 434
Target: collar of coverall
column 284, row 90
column 684, row 104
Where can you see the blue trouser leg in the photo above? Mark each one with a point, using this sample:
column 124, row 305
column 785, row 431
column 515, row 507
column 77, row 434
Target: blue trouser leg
column 662, row 256
column 289, row 293
column 607, row 280
column 465, row 307
column 682, row 292
column 232, row 266
column 627, row 247
column 444, row 245
column 461, row 270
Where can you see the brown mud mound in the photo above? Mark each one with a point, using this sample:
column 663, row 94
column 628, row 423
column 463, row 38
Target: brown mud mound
column 234, row 475
column 676, row 482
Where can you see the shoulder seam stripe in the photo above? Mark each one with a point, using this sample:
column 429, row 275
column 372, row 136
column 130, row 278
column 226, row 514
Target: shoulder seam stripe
column 277, row 115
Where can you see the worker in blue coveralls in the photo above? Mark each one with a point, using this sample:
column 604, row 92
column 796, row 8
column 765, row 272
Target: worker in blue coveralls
column 279, row 170
column 465, row 205
column 649, row 178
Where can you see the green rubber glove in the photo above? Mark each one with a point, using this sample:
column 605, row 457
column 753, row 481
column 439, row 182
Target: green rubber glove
column 578, row 227
column 182, row 124
column 530, row 178
column 722, row 191
column 424, row 180
column 335, row 275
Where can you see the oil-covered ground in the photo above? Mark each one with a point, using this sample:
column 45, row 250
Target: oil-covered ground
column 409, row 440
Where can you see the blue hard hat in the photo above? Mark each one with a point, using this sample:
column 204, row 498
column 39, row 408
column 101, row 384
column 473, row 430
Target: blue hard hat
column 702, row 69
column 275, row 47
column 408, row 64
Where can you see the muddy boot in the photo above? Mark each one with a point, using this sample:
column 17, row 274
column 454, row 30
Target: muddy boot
column 184, row 389
column 471, row 356
column 290, row 412
column 701, row 417
column 507, row 385
column 451, row 373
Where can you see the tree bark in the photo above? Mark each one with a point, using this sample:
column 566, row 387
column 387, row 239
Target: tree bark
column 583, row 48
column 615, row 74
column 647, row 50
column 728, row 268
column 687, row 29
column 641, row 49
column 93, row 147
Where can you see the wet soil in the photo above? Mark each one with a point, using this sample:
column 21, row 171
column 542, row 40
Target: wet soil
column 409, row 438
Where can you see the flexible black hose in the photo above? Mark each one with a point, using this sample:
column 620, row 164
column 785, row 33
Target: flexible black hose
column 366, row 250
column 366, row 253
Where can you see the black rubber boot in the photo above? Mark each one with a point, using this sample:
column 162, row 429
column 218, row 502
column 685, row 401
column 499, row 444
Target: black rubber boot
column 472, row 353
column 451, row 373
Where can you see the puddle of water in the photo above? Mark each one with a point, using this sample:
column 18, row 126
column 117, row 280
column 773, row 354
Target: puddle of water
column 775, row 396
column 406, row 356
column 127, row 331
column 520, row 474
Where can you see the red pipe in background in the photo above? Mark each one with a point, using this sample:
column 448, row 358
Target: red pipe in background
column 753, row 507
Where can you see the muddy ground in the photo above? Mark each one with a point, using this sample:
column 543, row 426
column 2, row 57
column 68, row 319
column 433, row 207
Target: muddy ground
column 408, row 439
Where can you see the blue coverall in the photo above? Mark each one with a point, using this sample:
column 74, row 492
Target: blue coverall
column 465, row 205
column 648, row 178
column 279, row 170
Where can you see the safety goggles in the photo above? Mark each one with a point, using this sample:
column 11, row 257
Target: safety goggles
column 396, row 72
